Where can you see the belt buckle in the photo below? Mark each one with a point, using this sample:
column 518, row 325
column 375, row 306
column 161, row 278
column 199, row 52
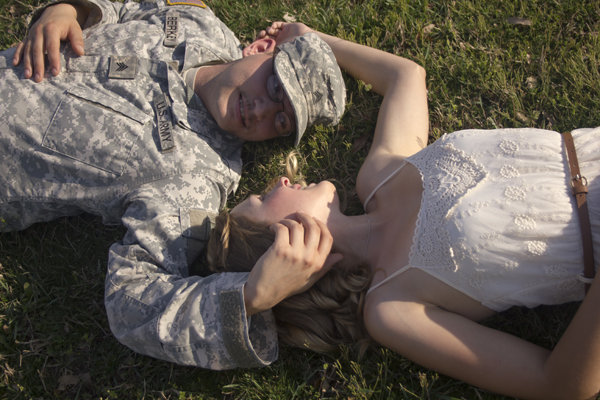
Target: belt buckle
column 579, row 184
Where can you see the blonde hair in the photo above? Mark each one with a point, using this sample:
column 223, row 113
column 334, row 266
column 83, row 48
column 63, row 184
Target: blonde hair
column 321, row 318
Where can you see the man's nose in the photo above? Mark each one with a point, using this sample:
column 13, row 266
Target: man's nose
column 264, row 108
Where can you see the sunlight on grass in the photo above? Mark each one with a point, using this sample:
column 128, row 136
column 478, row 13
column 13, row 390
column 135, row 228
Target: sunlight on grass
column 485, row 69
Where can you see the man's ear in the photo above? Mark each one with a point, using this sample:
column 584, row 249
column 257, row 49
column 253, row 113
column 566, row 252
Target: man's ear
column 262, row 45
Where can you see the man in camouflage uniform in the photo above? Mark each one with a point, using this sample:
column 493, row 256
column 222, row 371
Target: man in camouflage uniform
column 127, row 132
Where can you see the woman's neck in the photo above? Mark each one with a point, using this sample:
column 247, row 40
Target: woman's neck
column 352, row 237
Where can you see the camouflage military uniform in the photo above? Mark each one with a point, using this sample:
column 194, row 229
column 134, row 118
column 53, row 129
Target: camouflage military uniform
column 117, row 134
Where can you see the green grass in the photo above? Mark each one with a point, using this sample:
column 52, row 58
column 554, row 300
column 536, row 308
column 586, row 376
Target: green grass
column 483, row 71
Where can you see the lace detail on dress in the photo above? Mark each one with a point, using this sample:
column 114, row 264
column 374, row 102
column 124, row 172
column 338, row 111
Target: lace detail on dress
column 509, row 172
column 498, row 220
column 450, row 174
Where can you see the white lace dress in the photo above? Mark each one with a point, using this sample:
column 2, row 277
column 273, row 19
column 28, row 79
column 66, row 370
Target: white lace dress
column 498, row 221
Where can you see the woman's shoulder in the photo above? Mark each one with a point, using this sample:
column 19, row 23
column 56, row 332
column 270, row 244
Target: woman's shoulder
column 419, row 288
column 386, row 171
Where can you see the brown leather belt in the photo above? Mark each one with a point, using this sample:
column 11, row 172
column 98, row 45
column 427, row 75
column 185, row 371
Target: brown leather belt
column 579, row 186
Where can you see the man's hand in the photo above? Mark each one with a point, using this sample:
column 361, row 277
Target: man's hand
column 299, row 256
column 283, row 31
column 58, row 22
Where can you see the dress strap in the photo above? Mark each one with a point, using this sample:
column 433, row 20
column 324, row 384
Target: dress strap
column 386, row 280
column 579, row 186
column 383, row 182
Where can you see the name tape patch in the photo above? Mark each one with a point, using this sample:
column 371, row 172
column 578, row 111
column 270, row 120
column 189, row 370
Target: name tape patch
column 171, row 28
column 163, row 120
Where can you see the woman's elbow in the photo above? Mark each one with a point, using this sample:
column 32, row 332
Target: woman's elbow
column 413, row 70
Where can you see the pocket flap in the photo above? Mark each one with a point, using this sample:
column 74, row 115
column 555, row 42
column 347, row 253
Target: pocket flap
column 113, row 103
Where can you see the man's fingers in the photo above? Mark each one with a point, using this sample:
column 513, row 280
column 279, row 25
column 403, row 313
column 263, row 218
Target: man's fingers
column 312, row 231
column 324, row 248
column 75, row 37
column 316, row 233
column 326, row 239
column 282, row 233
column 27, row 68
column 261, row 34
column 277, row 25
column 296, row 232
column 37, row 55
column 18, row 54
column 52, row 42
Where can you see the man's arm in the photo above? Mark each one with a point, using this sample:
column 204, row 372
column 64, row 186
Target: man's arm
column 188, row 320
column 156, row 308
column 220, row 321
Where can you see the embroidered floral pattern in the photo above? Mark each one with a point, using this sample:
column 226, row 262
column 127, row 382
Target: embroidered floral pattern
column 509, row 172
column 457, row 174
column 496, row 217
column 508, row 147
column 536, row 247
column 525, row 222
column 556, row 270
column 516, row 193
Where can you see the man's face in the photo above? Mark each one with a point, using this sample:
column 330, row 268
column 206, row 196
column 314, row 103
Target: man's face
column 246, row 99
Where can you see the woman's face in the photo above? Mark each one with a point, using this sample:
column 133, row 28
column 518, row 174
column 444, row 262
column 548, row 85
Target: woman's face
column 286, row 199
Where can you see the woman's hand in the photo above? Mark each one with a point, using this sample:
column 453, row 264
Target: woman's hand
column 299, row 256
column 58, row 22
column 284, row 31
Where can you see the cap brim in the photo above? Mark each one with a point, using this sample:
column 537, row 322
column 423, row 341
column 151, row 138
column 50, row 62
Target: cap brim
column 286, row 74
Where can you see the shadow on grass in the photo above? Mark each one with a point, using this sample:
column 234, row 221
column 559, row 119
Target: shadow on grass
column 56, row 343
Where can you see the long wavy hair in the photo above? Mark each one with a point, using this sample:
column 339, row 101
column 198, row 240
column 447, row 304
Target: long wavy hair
column 321, row 318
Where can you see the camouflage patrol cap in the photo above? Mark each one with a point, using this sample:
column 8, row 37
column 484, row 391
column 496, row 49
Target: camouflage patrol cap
column 312, row 80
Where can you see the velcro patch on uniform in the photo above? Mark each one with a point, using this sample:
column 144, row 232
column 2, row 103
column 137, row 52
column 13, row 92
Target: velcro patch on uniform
column 163, row 120
column 122, row 67
column 197, row 3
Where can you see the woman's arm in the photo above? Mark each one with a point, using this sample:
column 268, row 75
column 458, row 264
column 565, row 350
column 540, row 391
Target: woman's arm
column 488, row 358
column 576, row 357
column 403, row 122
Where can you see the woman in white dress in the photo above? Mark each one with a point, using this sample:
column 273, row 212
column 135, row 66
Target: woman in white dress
column 452, row 233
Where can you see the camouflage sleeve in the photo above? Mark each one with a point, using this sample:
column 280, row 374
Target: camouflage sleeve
column 100, row 11
column 155, row 308
column 103, row 11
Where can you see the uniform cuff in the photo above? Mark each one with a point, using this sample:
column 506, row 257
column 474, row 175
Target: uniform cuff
column 94, row 16
column 251, row 342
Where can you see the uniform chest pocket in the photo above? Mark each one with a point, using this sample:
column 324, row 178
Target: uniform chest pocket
column 95, row 128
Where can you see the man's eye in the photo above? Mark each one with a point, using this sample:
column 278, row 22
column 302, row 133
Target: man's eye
column 284, row 125
column 275, row 89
